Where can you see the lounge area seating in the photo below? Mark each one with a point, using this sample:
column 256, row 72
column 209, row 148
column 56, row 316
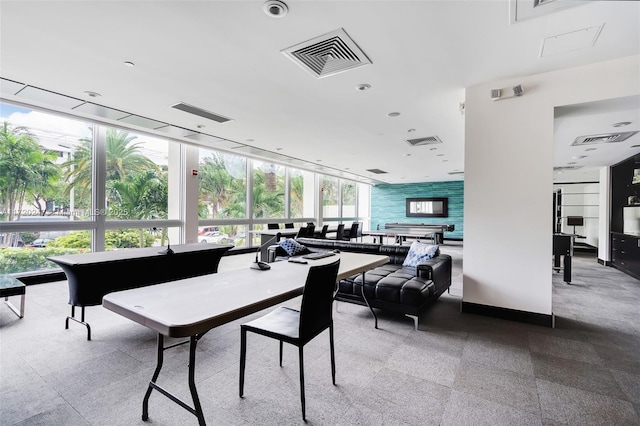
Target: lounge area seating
column 392, row 287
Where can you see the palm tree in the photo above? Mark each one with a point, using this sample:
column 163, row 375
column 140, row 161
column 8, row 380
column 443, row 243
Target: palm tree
column 122, row 156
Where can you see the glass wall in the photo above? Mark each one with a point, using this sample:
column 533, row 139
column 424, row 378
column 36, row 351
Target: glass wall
column 52, row 203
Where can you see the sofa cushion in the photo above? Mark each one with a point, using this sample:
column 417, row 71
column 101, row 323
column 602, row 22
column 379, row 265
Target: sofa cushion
column 418, row 253
column 292, row 247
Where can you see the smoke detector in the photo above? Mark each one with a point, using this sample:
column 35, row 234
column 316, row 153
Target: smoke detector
column 275, row 8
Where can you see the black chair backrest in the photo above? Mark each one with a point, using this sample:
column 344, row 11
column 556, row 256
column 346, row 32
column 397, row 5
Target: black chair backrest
column 310, row 230
column 323, row 233
column 317, row 299
column 353, row 233
column 359, row 231
column 340, row 232
column 302, row 232
column 288, row 225
column 273, row 226
column 311, row 224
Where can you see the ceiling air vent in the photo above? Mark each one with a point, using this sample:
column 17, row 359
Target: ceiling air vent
column 377, row 171
column 566, row 168
column 430, row 140
column 200, row 112
column 603, row 138
column 328, row 54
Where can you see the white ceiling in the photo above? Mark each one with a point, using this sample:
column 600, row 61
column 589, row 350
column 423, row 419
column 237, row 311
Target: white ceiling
column 225, row 57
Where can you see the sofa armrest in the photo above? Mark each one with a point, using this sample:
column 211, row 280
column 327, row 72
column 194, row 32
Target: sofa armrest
column 437, row 269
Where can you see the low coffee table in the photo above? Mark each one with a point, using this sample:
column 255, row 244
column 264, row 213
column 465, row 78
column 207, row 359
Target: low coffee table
column 10, row 286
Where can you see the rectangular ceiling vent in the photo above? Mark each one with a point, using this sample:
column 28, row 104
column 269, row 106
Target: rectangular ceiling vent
column 328, row 54
column 430, row 140
column 566, row 168
column 376, row 171
column 200, row 112
column 603, row 138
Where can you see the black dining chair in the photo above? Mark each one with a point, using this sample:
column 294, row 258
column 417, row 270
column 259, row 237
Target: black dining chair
column 289, row 225
column 299, row 327
column 340, row 232
column 302, row 232
column 323, row 233
column 353, row 232
column 273, row 226
column 311, row 230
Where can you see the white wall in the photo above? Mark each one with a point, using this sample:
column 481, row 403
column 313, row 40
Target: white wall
column 508, row 180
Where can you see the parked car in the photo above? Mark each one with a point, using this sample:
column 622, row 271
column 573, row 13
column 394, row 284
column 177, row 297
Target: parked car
column 212, row 237
column 208, row 229
column 40, row 242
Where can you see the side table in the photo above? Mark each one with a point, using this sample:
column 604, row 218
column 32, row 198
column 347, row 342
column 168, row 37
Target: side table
column 10, row 286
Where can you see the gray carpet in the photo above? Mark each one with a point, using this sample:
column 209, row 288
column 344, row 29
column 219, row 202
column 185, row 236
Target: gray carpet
column 463, row 369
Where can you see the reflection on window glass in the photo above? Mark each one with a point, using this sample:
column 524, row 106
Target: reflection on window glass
column 348, row 198
column 120, row 239
column 36, row 150
column 330, row 195
column 268, row 190
column 223, row 234
column 137, row 176
column 223, row 186
column 301, row 193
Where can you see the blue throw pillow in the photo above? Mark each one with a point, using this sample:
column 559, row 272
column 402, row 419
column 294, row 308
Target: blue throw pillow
column 419, row 252
column 292, row 247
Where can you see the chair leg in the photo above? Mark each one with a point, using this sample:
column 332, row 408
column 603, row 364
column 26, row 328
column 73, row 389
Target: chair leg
column 243, row 358
column 280, row 353
column 301, row 356
column 333, row 356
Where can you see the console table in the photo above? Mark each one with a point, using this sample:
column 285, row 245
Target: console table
column 92, row 275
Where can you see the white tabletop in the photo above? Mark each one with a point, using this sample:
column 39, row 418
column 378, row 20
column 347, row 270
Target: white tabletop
column 195, row 305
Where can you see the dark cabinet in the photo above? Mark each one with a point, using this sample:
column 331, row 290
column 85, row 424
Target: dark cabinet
column 625, row 253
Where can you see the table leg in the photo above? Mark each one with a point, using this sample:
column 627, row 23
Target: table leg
column 79, row 321
column 196, row 410
column 19, row 313
column 375, row 318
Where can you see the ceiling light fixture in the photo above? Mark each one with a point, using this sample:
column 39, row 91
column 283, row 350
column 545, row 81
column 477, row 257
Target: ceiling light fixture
column 393, row 114
column 621, row 124
column 363, row 87
column 591, row 149
column 275, row 8
column 411, row 130
column 496, row 94
column 518, row 90
column 201, row 126
column 129, row 64
column 92, row 94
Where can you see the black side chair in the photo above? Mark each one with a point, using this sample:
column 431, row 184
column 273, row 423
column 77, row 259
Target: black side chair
column 359, row 231
column 353, row 232
column 323, row 233
column 340, row 232
column 299, row 327
column 273, row 226
column 289, row 225
column 302, row 232
column 311, row 230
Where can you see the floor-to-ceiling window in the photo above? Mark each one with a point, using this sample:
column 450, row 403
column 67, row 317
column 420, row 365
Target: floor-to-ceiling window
column 70, row 185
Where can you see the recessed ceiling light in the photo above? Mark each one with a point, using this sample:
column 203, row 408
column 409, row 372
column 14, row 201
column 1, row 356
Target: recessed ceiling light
column 578, row 157
column 621, row 124
column 275, row 8
column 591, row 149
column 440, row 155
column 92, row 94
column 432, row 149
column 407, row 155
column 201, row 126
column 129, row 64
column 393, row 114
column 411, row 130
column 251, row 140
column 347, row 168
column 278, row 149
column 635, row 146
column 363, row 87
column 319, row 161
column 444, row 161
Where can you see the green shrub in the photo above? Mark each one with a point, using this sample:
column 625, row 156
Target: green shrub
column 13, row 260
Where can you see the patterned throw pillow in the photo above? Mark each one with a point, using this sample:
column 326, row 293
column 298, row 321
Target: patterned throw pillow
column 419, row 252
column 292, row 247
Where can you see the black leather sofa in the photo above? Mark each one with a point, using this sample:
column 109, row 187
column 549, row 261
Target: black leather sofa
column 391, row 287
